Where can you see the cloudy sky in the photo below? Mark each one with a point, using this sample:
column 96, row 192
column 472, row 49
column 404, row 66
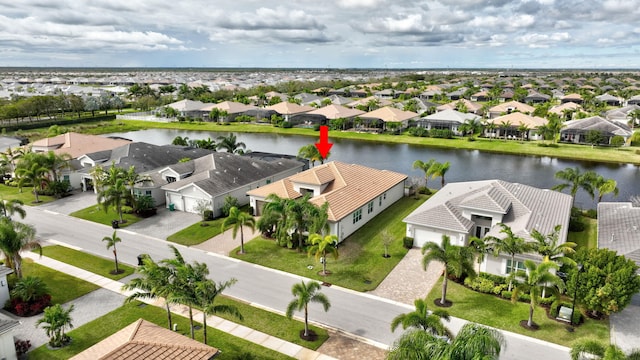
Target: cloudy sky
column 321, row 34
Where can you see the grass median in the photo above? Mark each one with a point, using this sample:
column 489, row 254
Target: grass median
column 95, row 264
column 97, row 214
column 360, row 265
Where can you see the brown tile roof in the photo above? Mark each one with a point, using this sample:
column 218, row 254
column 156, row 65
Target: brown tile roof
column 504, row 107
column 287, row 108
column 348, row 186
column 76, row 144
column 145, row 340
column 518, row 118
column 229, row 106
column 336, row 111
column 390, row 114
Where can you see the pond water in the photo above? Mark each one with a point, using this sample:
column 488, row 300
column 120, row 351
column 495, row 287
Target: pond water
column 466, row 165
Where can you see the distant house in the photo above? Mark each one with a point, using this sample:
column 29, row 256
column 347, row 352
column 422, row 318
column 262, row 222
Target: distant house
column 211, row 178
column 536, row 98
column 448, row 119
column 564, row 108
column 609, row 99
column 288, row 110
column 619, row 228
column 624, row 114
column 574, row 98
column 508, row 108
column 188, row 108
column 515, row 122
column 576, row 131
column 472, row 107
column 390, row 114
column 233, row 110
column 634, row 100
column 355, row 193
column 480, row 96
column 145, row 340
column 475, row 208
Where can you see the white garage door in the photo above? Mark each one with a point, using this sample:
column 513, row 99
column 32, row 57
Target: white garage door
column 190, row 204
column 421, row 236
column 176, row 200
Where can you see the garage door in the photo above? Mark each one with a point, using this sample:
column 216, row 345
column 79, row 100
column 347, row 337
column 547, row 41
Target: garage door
column 259, row 207
column 190, row 205
column 422, row 236
column 176, row 200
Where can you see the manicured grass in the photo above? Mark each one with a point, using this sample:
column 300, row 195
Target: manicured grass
column 196, row 233
column 587, row 238
column 26, row 196
column 272, row 323
column 62, row 287
column 97, row 214
column 82, row 260
column 503, row 314
column 89, row 334
column 360, row 266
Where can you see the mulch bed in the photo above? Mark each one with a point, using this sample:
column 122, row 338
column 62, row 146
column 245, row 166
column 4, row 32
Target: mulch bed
column 311, row 335
column 533, row 327
column 446, row 304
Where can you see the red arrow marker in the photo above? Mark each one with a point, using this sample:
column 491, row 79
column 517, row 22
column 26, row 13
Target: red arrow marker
column 324, row 145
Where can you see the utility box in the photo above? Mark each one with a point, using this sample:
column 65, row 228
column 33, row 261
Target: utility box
column 564, row 314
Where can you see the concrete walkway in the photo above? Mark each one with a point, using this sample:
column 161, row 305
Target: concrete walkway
column 260, row 338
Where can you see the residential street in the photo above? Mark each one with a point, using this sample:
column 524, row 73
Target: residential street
column 359, row 314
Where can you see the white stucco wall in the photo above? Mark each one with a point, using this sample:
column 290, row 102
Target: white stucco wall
column 7, row 348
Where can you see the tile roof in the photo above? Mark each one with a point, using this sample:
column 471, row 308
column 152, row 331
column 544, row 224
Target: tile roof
column 525, row 208
column 287, row 108
column 145, row 340
column 348, row 186
column 452, row 115
column 599, row 124
column 336, row 111
column 390, row 114
column 619, row 228
column 518, row 118
column 229, row 106
column 76, row 144
column 511, row 105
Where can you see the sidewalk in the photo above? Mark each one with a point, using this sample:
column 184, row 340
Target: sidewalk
column 260, row 338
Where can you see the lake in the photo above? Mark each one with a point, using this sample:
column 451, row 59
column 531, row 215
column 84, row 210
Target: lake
column 466, row 165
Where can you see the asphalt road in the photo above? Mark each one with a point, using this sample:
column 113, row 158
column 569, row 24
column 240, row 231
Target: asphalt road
column 351, row 312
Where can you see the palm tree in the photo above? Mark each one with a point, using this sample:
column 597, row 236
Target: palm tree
column 206, row 293
column 490, row 127
column 114, row 195
column 548, row 246
column 274, row 216
column 56, row 320
column 111, row 243
column 457, row 260
column 439, row 170
column 298, row 211
column 481, row 248
column 311, row 153
column 523, row 129
column 533, row 279
column 421, row 318
column 33, row 174
column 29, row 289
column 10, row 207
column 425, row 167
column 320, row 246
column 231, row 144
column 239, row 219
column 504, row 126
column 595, row 350
column 154, row 282
column 56, row 162
column 605, row 186
column 473, row 342
column 511, row 244
column 14, row 238
column 575, row 179
column 305, row 293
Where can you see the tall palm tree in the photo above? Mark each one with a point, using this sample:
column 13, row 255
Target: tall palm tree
column 548, row 247
column 154, row 282
column 206, row 293
column 56, row 319
column 33, row 174
column 231, row 144
column 439, row 170
column 457, row 260
column 114, row 195
column 595, row 350
column 473, row 342
column 56, row 162
column 14, row 238
column 510, row 244
column 10, row 207
column 239, row 219
column 298, row 217
column 425, row 167
column 111, row 243
column 605, row 186
column 535, row 278
column 320, row 246
column 305, row 293
column 481, row 248
column 311, row 153
column 576, row 179
column 274, row 218
column 421, row 318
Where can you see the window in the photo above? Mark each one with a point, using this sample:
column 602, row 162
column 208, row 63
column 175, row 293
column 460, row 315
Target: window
column 357, row 216
column 370, row 208
column 268, row 181
column 171, row 179
column 519, row 265
column 380, row 201
column 147, row 192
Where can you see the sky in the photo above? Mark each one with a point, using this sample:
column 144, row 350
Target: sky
column 502, row 34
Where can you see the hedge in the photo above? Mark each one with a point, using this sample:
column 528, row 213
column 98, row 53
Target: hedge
column 63, row 122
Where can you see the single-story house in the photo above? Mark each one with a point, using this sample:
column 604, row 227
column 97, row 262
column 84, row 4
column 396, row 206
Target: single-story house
column 472, row 107
column 233, row 110
column 288, row 110
column 515, row 120
column 609, row 99
column 211, row 178
column 624, row 114
column 575, row 131
column 331, row 112
column 355, row 193
column 448, row 119
column 564, row 108
column 144, row 339
column 480, row 96
column 476, row 208
column 187, row 107
column 634, row 100
column 619, row 228
column 390, row 114
column 535, row 97
column 508, row 108
column 574, row 98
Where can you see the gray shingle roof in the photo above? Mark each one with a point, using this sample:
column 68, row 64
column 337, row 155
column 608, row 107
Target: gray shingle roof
column 599, row 124
column 619, row 228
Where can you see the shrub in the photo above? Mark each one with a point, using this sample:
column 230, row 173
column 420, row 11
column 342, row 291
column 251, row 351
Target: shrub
column 498, row 289
column 229, row 202
column 495, row 278
column 591, row 213
column 418, row 131
column 316, row 127
column 441, row 133
column 127, row 210
column 506, row 294
column 22, row 346
column 286, row 125
column 208, row 214
column 424, row 190
column 576, row 317
column 407, row 242
column 555, row 308
column 617, row 141
column 547, row 301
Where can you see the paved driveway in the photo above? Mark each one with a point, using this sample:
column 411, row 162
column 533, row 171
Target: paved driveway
column 77, row 201
column 625, row 326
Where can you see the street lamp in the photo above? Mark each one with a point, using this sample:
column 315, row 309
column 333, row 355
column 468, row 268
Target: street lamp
column 575, row 292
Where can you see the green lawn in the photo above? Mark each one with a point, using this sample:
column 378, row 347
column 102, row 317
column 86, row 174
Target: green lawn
column 360, row 266
column 503, row 314
column 587, row 238
column 196, row 233
column 97, row 214
column 86, row 335
column 91, row 263
column 62, row 287
column 26, row 196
